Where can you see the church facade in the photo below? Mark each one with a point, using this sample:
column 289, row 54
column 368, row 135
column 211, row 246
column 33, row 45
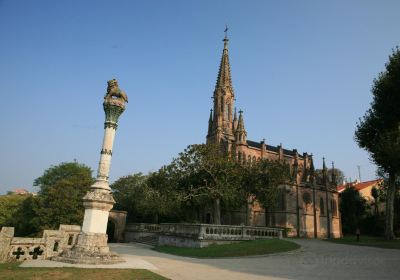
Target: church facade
column 306, row 208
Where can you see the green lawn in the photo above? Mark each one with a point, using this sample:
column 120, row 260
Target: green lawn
column 245, row 248
column 372, row 241
column 13, row 271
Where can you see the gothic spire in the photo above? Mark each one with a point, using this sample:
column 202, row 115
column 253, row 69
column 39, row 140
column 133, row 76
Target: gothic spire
column 240, row 122
column 224, row 74
column 222, row 120
column 312, row 169
column 235, row 121
column 333, row 174
column 324, row 172
column 241, row 134
column 210, row 122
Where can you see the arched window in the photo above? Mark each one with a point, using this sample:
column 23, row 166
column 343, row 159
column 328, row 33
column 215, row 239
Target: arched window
column 249, row 158
column 244, row 157
column 254, row 158
column 321, row 206
column 239, row 156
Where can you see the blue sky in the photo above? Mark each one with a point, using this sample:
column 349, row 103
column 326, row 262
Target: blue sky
column 302, row 73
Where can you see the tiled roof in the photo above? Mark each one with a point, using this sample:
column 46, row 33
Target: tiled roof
column 20, row 191
column 358, row 185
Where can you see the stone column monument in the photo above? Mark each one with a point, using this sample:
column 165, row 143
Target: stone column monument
column 91, row 246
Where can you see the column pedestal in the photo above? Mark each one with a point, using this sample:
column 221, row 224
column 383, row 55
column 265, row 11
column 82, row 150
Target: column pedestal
column 91, row 246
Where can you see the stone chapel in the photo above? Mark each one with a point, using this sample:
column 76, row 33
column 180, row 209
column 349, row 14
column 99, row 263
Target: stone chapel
column 306, row 208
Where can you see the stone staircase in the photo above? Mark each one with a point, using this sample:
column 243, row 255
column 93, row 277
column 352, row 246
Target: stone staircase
column 148, row 240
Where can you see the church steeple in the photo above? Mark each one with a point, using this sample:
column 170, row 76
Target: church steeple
column 222, row 121
column 312, row 169
column 324, row 173
column 210, row 123
column 241, row 134
column 224, row 80
column 235, row 121
column 333, row 175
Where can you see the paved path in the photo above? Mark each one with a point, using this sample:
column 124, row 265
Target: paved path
column 315, row 260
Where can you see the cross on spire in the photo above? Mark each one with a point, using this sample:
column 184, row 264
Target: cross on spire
column 226, row 38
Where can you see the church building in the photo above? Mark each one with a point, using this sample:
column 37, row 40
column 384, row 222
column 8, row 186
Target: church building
column 306, row 207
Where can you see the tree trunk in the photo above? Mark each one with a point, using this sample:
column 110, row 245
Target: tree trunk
column 267, row 217
column 217, row 212
column 389, row 235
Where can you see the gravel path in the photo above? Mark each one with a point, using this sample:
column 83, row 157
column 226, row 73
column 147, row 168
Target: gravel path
column 315, row 260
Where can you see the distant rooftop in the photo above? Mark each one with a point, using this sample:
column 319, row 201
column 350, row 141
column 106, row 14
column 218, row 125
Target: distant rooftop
column 357, row 185
column 20, row 191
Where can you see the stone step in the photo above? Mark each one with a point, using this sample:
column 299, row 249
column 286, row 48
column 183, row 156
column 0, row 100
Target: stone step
column 149, row 240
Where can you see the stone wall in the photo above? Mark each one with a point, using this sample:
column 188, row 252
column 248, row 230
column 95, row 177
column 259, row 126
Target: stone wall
column 51, row 244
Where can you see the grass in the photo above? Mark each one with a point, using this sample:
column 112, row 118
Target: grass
column 13, row 271
column 245, row 248
column 372, row 241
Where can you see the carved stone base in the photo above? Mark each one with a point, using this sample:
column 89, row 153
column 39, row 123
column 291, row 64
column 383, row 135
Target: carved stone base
column 91, row 248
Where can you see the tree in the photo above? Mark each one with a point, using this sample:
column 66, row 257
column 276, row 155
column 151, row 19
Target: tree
column 264, row 181
column 382, row 196
column 23, row 217
column 144, row 198
column 339, row 176
column 375, row 195
column 352, row 209
column 9, row 205
column 128, row 193
column 378, row 131
column 206, row 174
column 59, row 200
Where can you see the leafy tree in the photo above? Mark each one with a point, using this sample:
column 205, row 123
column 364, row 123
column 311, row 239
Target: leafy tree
column 378, row 131
column 23, row 217
column 205, row 174
column 143, row 198
column 9, row 205
column 167, row 197
column 375, row 195
column 59, row 200
column 128, row 192
column 339, row 176
column 264, row 181
column 382, row 196
column 352, row 209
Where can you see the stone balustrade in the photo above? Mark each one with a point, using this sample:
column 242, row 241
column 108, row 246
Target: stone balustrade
column 198, row 235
